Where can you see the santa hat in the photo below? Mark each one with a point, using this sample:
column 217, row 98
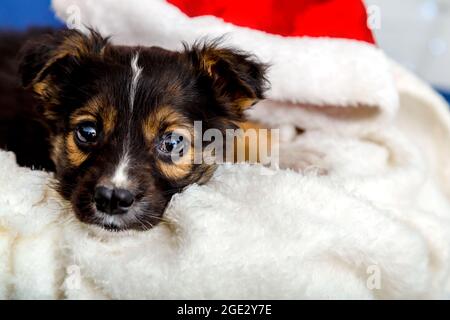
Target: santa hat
column 321, row 52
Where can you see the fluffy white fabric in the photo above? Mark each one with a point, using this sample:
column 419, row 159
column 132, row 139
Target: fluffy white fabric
column 374, row 223
column 249, row 233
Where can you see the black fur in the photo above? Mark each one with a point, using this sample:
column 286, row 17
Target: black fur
column 22, row 128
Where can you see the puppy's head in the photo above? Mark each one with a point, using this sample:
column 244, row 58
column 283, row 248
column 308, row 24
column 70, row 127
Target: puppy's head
column 117, row 115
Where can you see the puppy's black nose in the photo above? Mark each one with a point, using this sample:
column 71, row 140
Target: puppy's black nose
column 113, row 201
column 124, row 198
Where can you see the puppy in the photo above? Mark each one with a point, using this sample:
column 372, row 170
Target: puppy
column 116, row 115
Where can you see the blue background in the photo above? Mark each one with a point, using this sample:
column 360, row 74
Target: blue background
column 20, row 14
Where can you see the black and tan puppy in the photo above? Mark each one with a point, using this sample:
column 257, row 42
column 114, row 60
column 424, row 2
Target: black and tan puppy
column 115, row 114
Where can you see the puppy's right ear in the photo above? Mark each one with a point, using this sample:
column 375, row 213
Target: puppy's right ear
column 36, row 56
column 47, row 61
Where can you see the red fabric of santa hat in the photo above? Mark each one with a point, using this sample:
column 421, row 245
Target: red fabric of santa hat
column 333, row 18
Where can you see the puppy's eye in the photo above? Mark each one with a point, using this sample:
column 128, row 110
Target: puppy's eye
column 171, row 143
column 86, row 133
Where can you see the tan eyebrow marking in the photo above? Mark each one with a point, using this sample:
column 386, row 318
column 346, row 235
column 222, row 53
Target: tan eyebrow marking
column 93, row 109
column 74, row 120
column 164, row 117
column 89, row 111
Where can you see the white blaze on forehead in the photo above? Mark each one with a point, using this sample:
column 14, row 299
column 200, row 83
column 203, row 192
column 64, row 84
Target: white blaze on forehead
column 120, row 176
column 136, row 72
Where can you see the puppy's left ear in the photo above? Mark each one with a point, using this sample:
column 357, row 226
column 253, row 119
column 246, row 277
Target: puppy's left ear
column 237, row 77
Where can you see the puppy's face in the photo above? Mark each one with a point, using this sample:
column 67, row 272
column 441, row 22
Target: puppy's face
column 117, row 115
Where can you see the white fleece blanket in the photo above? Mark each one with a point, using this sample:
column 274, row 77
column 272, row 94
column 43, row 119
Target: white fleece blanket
column 365, row 214
column 249, row 233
